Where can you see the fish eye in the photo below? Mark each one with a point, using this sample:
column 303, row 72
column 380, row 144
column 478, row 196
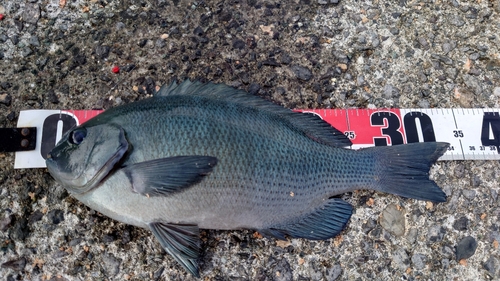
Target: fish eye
column 77, row 136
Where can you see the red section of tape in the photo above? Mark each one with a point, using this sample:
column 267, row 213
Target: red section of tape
column 361, row 126
column 366, row 126
column 83, row 115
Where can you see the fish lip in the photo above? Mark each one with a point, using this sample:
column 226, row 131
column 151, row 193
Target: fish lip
column 105, row 169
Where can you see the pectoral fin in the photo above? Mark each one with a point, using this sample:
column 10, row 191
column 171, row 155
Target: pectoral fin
column 181, row 241
column 161, row 177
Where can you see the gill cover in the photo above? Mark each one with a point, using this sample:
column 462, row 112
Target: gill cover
column 85, row 155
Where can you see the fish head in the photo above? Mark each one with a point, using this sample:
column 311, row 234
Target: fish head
column 85, row 155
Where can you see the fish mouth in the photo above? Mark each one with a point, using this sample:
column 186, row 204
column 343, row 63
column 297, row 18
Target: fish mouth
column 78, row 184
column 104, row 170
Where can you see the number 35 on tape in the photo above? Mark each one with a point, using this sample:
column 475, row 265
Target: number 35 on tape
column 473, row 134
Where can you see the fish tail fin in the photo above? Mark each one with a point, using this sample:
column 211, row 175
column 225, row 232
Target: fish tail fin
column 404, row 170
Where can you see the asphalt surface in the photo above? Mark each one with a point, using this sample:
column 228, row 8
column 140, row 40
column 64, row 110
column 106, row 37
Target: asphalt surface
column 300, row 54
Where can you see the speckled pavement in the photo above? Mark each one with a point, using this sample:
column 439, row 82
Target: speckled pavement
column 300, row 54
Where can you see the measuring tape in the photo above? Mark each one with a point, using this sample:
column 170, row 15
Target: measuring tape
column 473, row 134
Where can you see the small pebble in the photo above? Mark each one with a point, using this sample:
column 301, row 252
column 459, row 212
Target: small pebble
column 282, row 270
column 198, row 31
column 466, row 248
column 160, row 43
column 239, row 44
column 469, row 193
column 393, row 220
column 389, row 91
column 419, row 261
column 492, row 265
column 111, row 264
column 401, row 259
column 31, row 13
column 20, row 229
column 35, row 216
column 5, row 99
column 459, row 170
column 334, row 272
column 52, row 97
column 254, row 88
column 16, row 265
column 436, row 233
column 461, row 224
column 56, row 216
column 102, row 51
column 34, row 41
column 5, row 223
column 302, row 73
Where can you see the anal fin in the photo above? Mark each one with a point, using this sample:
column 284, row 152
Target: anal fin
column 181, row 241
column 323, row 222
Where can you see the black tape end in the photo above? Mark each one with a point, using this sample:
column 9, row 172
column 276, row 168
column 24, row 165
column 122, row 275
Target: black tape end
column 17, row 139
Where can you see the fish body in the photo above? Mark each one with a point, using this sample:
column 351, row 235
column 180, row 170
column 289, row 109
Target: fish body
column 209, row 156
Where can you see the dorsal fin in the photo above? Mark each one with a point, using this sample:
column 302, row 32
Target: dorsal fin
column 309, row 124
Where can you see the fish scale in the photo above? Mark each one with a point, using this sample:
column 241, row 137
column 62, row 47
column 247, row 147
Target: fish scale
column 202, row 155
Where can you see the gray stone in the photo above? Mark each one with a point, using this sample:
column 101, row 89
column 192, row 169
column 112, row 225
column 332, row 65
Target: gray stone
column 390, row 91
column 461, row 224
column 457, row 21
column 475, row 181
column 459, row 170
column 111, row 264
column 447, row 47
column 5, row 222
column 448, row 252
column 411, row 237
column 401, row 259
column 254, row 88
column 34, row 41
column 473, row 83
column 423, row 42
column 418, row 261
column 302, row 73
column 466, row 247
column 492, row 265
column 16, row 265
column 333, row 272
column 436, row 233
column 469, row 193
column 160, row 43
column 55, row 216
column 282, row 270
column 31, row 13
column 451, row 72
column 5, row 99
column 102, row 51
column 423, row 104
column 393, row 220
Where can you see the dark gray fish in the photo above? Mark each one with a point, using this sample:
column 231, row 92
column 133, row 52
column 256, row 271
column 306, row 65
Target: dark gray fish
column 209, row 156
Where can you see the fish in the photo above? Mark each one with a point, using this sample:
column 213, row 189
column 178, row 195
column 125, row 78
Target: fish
column 208, row 156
